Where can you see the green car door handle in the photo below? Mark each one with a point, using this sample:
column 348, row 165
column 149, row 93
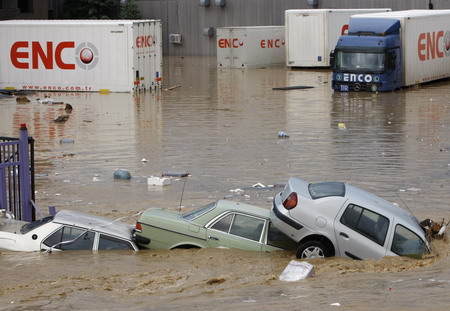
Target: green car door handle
column 213, row 238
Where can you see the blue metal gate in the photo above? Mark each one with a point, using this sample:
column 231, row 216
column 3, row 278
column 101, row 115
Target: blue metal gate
column 17, row 175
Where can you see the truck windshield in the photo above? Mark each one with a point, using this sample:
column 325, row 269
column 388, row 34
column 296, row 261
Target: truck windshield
column 359, row 61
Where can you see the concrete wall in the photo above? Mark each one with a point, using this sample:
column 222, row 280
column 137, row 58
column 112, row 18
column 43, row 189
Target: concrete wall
column 188, row 18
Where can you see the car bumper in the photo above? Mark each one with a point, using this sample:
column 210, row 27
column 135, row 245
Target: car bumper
column 282, row 214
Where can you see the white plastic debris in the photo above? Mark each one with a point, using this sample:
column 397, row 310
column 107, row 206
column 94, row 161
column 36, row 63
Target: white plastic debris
column 158, row 181
column 336, row 304
column 238, row 190
column 297, row 270
column 258, row 185
column 144, row 160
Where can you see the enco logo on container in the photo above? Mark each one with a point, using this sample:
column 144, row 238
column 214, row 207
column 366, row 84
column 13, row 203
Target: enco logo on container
column 271, row 43
column 30, row 55
column 228, row 43
column 145, row 41
column 431, row 45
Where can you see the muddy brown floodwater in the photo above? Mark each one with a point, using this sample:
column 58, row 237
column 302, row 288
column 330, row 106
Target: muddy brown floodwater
column 222, row 127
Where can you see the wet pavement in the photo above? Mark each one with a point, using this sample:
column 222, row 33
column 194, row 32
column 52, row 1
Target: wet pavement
column 222, row 127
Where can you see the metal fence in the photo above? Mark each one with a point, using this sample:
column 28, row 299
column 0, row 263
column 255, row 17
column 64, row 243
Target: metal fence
column 17, row 175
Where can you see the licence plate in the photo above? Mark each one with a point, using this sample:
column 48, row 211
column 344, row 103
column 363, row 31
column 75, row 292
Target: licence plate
column 344, row 88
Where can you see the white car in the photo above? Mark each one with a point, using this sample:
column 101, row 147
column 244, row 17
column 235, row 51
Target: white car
column 336, row 219
column 67, row 230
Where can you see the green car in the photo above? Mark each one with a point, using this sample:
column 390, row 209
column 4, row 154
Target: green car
column 219, row 224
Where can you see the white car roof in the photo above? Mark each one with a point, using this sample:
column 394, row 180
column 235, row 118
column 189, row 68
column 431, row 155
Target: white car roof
column 95, row 223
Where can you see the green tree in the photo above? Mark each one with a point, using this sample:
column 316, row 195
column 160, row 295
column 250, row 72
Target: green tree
column 129, row 10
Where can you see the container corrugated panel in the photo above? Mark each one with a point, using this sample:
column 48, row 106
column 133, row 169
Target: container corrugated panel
column 312, row 34
column 81, row 55
column 250, row 47
column 425, row 36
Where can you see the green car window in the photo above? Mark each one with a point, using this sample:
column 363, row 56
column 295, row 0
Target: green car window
column 223, row 224
column 247, row 227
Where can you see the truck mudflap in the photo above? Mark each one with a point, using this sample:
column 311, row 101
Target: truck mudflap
column 356, row 86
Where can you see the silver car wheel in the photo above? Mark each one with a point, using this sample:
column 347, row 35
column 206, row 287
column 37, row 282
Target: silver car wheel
column 313, row 252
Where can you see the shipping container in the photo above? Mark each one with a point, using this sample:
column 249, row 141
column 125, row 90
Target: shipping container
column 387, row 51
column 250, row 47
column 81, row 55
column 312, row 34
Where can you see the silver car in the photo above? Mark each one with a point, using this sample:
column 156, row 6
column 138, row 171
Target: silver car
column 336, row 219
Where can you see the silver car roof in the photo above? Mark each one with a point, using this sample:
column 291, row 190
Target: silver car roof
column 380, row 205
column 365, row 199
column 95, row 223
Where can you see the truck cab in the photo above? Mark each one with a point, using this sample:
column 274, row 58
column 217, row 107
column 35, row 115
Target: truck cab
column 369, row 58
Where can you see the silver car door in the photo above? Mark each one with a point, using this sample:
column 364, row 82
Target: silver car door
column 361, row 233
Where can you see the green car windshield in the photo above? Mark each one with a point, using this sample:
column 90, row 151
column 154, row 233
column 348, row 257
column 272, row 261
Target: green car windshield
column 198, row 212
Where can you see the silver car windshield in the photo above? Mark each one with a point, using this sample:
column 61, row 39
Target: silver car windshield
column 198, row 212
column 358, row 61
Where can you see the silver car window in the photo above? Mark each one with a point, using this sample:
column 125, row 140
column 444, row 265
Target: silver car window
column 407, row 243
column 371, row 225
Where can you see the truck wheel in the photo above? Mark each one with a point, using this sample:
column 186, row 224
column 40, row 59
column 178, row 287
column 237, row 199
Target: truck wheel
column 312, row 249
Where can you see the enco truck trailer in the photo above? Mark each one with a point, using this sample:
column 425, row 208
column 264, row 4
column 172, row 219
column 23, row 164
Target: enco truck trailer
column 81, row 55
column 388, row 51
column 250, row 47
column 312, row 34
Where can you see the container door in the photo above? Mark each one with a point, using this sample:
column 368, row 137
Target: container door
column 224, row 48
column 306, row 39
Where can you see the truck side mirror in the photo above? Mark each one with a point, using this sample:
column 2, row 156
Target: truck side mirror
column 332, row 59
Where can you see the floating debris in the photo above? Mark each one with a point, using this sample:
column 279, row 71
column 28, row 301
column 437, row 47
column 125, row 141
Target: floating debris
column 22, row 99
column 67, row 141
column 297, row 270
column 258, row 185
column 68, row 108
column 122, row 174
column 175, row 174
column 157, row 181
column 342, row 126
column 433, row 229
column 172, row 88
column 298, row 87
column 61, row 119
column 282, row 134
